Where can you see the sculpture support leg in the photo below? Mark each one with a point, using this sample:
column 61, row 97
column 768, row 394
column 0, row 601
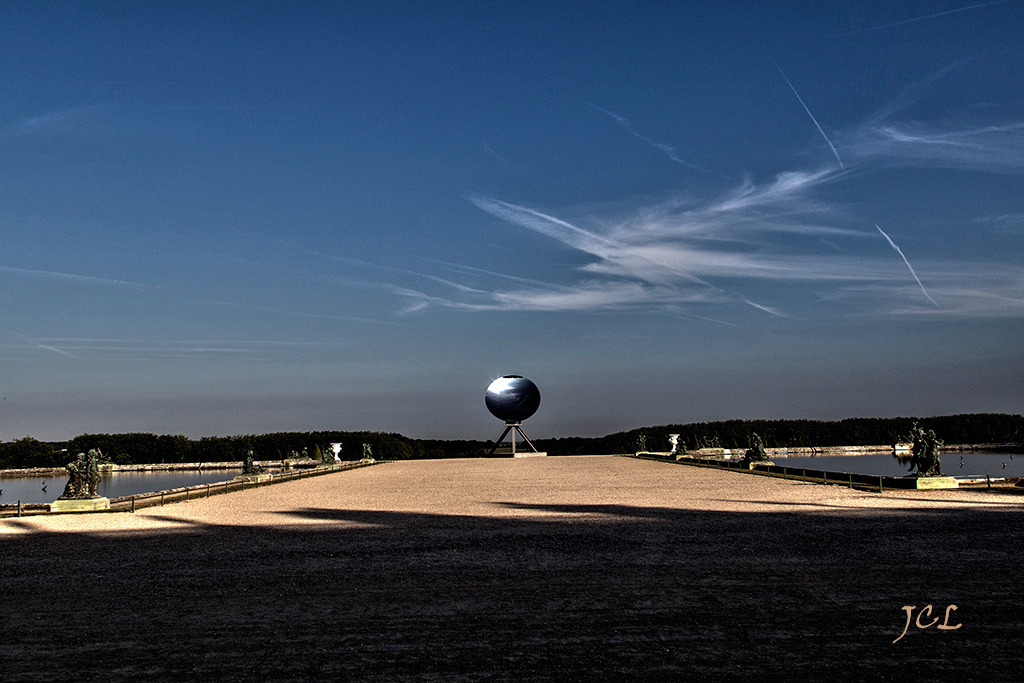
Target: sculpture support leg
column 525, row 438
column 498, row 442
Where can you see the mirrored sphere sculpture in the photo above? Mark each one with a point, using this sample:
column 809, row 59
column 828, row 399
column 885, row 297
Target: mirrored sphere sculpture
column 512, row 398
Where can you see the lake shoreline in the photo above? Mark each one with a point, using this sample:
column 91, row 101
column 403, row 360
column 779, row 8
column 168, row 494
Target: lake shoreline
column 161, row 467
column 797, row 451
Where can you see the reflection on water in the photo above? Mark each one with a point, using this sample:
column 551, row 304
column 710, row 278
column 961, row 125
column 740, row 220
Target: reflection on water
column 974, row 464
column 30, row 489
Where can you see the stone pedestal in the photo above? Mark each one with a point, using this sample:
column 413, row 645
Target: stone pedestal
column 80, row 504
column 254, row 478
column 752, row 464
column 530, row 454
column 937, row 483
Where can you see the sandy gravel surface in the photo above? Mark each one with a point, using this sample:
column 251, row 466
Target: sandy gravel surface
column 586, row 568
column 508, row 489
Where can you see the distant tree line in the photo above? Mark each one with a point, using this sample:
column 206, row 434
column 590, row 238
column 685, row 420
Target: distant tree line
column 953, row 429
column 439, row 448
column 861, row 431
column 139, row 448
column 28, row 452
column 127, row 449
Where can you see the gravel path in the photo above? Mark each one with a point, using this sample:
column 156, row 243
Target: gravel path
column 586, row 568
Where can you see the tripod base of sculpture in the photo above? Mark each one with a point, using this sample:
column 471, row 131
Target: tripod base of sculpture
column 517, row 428
column 80, row 504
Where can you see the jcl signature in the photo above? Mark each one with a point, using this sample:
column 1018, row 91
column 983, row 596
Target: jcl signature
column 926, row 612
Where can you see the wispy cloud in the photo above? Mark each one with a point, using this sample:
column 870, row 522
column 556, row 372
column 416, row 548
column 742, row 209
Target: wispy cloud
column 783, row 190
column 60, row 121
column 70, row 277
column 297, row 313
column 556, row 228
column 1006, row 222
column 740, row 249
column 587, row 295
column 92, row 348
column 967, row 291
column 679, row 253
column 914, row 92
column 674, row 244
column 995, row 148
column 492, row 153
column 970, row 140
column 925, row 17
column 667, row 150
column 781, row 246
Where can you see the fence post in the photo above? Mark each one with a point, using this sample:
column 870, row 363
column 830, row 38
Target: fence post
column 880, row 489
column 19, row 507
column 161, row 499
column 851, row 479
column 133, row 503
column 988, row 481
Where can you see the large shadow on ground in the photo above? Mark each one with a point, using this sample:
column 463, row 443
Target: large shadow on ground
column 559, row 592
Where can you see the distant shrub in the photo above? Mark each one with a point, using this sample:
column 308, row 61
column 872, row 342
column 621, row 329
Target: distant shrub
column 28, row 452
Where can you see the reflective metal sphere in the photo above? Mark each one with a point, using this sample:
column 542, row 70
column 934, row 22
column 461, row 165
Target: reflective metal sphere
column 512, row 398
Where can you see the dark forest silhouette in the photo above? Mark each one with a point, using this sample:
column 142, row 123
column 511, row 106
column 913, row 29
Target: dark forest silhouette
column 139, row 448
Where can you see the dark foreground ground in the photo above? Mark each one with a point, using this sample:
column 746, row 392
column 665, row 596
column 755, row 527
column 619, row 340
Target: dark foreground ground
column 568, row 569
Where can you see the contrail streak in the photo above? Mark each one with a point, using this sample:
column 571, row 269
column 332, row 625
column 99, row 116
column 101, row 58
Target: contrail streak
column 766, row 309
column 812, row 116
column 61, row 352
column 70, row 276
column 683, row 316
column 927, row 16
column 667, row 150
column 911, row 268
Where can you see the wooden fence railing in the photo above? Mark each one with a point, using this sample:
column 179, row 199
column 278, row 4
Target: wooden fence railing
column 179, row 495
column 866, row 482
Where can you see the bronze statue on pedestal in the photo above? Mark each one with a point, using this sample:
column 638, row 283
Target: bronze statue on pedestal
column 83, row 476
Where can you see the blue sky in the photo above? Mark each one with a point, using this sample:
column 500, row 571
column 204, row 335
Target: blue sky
column 254, row 217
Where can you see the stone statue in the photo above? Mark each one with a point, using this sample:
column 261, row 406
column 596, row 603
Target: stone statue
column 673, row 440
column 326, row 456
column 367, row 452
column 924, row 454
column 92, row 472
column 83, row 476
column 250, row 466
column 756, row 452
column 641, row 443
column 76, row 469
column 711, row 442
